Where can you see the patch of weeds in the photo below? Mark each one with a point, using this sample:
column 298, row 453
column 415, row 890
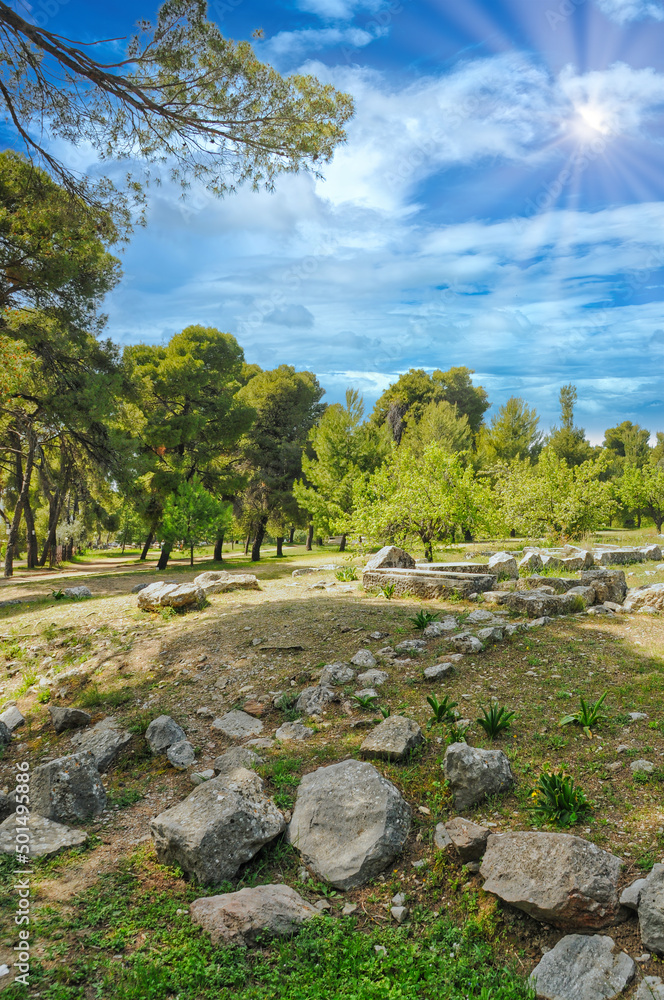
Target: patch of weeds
column 44, row 696
column 443, row 711
column 287, row 703
column 28, row 678
column 167, row 613
column 557, row 800
column 588, row 716
column 123, row 797
column 420, row 620
column 346, row 574
column 495, row 720
column 93, row 697
column 367, row 702
column 388, row 591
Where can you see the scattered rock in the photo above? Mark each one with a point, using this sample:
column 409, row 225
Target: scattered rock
column 198, row 777
column 77, row 592
column 12, row 718
column 5, row 735
column 480, row 617
column 490, row 635
column 608, row 584
column 68, row 790
column 436, row 629
column 583, row 967
column 139, row 587
column 170, row 595
column 181, row 755
column 363, row 658
column 650, row 988
column 439, row 671
column 441, row 837
column 637, row 716
column 234, row 758
column 632, row 894
column 531, row 562
column 68, row 718
column 314, row 699
column 222, row 824
column 373, row 678
column 349, row 909
column 238, row 725
column 293, row 731
column 504, row 566
column 651, row 911
column 399, row 913
column 46, row 836
column 163, row 732
column 393, row 739
column 647, row 597
column 366, row 693
column 104, row 741
column 468, row 838
column 474, row 774
column 7, row 807
column 642, row 766
column 555, row 877
column 349, row 822
column 390, row 557
column 336, row 674
column 250, row 915
column 411, row 646
column 466, row 643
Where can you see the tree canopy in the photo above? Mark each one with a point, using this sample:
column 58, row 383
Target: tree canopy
column 403, row 403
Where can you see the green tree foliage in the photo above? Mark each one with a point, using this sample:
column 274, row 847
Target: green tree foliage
column 287, row 405
column 629, row 441
column 429, row 499
column 442, row 424
column 513, row 434
column 567, row 442
column 187, row 414
column 180, row 95
column 192, row 515
column 343, row 451
column 643, row 489
column 555, row 499
column 404, row 402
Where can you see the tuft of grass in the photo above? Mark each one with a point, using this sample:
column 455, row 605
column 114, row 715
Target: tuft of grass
column 346, row 574
column 495, row 720
column 557, row 800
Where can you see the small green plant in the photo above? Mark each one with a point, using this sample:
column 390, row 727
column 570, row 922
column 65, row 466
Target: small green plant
column 588, row 716
column 423, row 618
column 495, row 720
column 443, row 711
column 44, row 696
column 58, row 595
column 287, row 704
column 346, row 574
column 388, row 591
column 28, row 678
column 366, row 701
column 456, row 733
column 556, row 799
column 385, row 711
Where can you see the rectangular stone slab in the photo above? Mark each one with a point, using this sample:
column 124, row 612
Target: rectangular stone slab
column 428, row 583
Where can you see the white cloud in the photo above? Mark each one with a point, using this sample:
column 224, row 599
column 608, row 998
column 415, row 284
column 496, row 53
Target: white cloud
column 295, row 44
column 624, row 11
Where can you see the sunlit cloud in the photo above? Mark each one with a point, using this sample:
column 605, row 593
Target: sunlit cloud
column 623, row 11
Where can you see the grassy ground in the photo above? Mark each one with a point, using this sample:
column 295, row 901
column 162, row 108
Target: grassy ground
column 112, row 922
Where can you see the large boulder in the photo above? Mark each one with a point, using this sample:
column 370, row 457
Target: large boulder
column 503, row 565
column 651, row 911
column 653, row 552
column 46, row 836
column 162, row 733
column 170, row 595
column 583, row 967
column 580, row 560
column 68, row 790
column 68, row 718
column 390, row 557
column 222, row 824
column 393, row 739
column 538, row 603
column 466, row 642
column 530, row 563
column 364, row 658
column 77, row 593
column 474, row 774
column 238, row 725
column 251, row 915
column 555, row 877
column 104, row 741
column 349, row 823
column 219, row 581
column 608, row 584
column 585, row 594
column 181, row 755
column 646, row 597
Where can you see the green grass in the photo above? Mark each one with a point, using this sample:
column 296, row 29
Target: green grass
column 136, row 946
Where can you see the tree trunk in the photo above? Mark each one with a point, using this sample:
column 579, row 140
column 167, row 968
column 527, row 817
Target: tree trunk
column 191, row 554
column 148, row 542
column 310, row 537
column 467, row 535
column 291, row 535
column 218, row 555
column 638, row 519
column 246, row 545
column 165, row 555
column 319, row 542
column 280, row 547
column 428, row 551
column 258, row 540
column 30, row 536
column 23, row 485
column 342, row 544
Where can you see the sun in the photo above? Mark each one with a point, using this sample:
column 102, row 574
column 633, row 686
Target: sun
column 591, row 120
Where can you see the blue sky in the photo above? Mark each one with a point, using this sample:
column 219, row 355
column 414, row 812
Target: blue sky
column 499, row 204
